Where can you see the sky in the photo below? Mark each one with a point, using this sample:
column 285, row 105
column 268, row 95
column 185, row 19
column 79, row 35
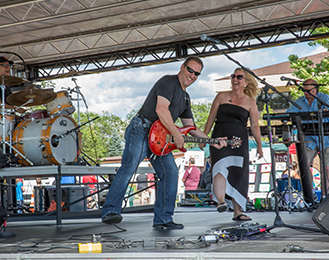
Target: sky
column 121, row 91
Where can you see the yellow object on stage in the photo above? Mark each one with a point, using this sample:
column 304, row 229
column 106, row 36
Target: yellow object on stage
column 90, row 248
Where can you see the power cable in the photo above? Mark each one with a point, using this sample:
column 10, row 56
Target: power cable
column 294, row 248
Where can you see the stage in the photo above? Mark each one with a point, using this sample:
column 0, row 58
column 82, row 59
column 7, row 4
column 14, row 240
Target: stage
column 134, row 237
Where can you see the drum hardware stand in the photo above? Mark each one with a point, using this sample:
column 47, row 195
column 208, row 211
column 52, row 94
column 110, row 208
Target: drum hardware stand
column 78, row 97
column 289, row 189
column 3, row 113
column 3, row 88
column 76, row 89
column 22, row 155
column 278, row 221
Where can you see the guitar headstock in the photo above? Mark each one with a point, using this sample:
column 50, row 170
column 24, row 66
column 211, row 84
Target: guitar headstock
column 236, row 142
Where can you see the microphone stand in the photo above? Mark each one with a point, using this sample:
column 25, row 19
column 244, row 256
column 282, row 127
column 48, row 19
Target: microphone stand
column 78, row 127
column 76, row 89
column 278, row 222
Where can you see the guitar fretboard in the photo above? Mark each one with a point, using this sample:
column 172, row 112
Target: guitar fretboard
column 206, row 140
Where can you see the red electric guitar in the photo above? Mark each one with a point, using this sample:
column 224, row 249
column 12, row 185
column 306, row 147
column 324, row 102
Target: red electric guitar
column 161, row 141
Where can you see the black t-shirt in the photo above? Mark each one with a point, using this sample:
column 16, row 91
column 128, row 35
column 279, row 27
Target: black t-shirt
column 168, row 87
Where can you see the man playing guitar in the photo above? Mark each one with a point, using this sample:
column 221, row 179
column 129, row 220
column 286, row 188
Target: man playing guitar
column 166, row 101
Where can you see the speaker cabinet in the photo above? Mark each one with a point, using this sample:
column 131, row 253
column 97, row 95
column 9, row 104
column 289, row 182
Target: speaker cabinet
column 321, row 216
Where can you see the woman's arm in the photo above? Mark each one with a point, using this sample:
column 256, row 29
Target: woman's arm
column 254, row 127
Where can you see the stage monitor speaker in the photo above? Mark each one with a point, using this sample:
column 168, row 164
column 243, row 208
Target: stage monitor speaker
column 321, row 216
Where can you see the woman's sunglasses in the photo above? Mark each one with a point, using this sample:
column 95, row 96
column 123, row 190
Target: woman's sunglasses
column 239, row 77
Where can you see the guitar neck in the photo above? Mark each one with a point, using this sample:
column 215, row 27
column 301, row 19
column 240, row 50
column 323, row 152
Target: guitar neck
column 191, row 139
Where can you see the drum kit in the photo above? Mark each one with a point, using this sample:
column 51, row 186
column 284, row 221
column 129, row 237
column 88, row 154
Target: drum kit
column 39, row 137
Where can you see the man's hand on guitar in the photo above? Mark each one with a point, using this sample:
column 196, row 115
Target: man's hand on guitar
column 222, row 143
column 179, row 140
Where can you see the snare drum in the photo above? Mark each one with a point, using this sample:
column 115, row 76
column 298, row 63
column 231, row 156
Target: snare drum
column 37, row 114
column 61, row 105
column 40, row 141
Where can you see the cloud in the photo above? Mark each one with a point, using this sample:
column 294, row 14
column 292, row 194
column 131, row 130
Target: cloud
column 121, row 91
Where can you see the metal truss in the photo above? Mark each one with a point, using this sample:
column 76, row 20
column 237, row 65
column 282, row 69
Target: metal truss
column 168, row 52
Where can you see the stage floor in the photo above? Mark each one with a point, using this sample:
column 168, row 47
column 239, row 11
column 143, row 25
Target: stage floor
column 134, row 237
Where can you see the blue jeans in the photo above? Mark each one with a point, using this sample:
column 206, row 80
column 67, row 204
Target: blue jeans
column 136, row 149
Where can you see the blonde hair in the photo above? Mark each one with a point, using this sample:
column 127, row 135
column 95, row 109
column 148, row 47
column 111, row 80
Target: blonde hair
column 251, row 89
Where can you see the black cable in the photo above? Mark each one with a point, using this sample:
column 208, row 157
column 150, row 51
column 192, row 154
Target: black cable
column 294, row 248
column 183, row 243
column 32, row 247
column 73, row 237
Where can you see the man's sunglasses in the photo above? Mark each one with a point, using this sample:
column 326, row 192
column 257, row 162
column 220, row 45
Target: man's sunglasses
column 304, row 90
column 190, row 70
column 5, row 65
column 239, row 77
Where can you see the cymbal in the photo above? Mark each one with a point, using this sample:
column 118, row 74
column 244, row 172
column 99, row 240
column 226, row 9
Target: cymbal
column 36, row 96
column 10, row 81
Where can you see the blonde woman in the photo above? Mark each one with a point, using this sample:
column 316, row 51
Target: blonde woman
column 230, row 112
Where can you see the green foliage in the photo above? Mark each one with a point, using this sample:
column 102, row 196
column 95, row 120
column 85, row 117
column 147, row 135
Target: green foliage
column 305, row 69
column 48, row 84
column 200, row 114
column 324, row 41
column 264, row 111
column 96, row 135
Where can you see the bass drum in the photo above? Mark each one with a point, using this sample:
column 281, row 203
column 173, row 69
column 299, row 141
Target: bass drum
column 41, row 142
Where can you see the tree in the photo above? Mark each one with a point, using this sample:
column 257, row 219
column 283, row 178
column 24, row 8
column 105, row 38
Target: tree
column 305, row 68
column 200, row 113
column 96, row 135
column 323, row 42
column 115, row 145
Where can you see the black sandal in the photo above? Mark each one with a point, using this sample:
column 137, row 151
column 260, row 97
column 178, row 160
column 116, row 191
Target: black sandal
column 222, row 207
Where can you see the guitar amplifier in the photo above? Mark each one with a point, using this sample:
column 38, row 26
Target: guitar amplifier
column 321, row 216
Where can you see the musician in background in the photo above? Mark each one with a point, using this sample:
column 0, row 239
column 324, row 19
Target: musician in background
column 5, row 70
column 292, row 171
column 310, row 104
column 166, row 101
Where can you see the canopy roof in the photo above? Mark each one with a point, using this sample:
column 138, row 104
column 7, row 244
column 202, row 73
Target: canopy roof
column 55, row 37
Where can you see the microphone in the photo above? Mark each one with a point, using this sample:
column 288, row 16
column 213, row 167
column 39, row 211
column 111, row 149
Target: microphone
column 204, row 37
column 283, row 78
column 18, row 66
